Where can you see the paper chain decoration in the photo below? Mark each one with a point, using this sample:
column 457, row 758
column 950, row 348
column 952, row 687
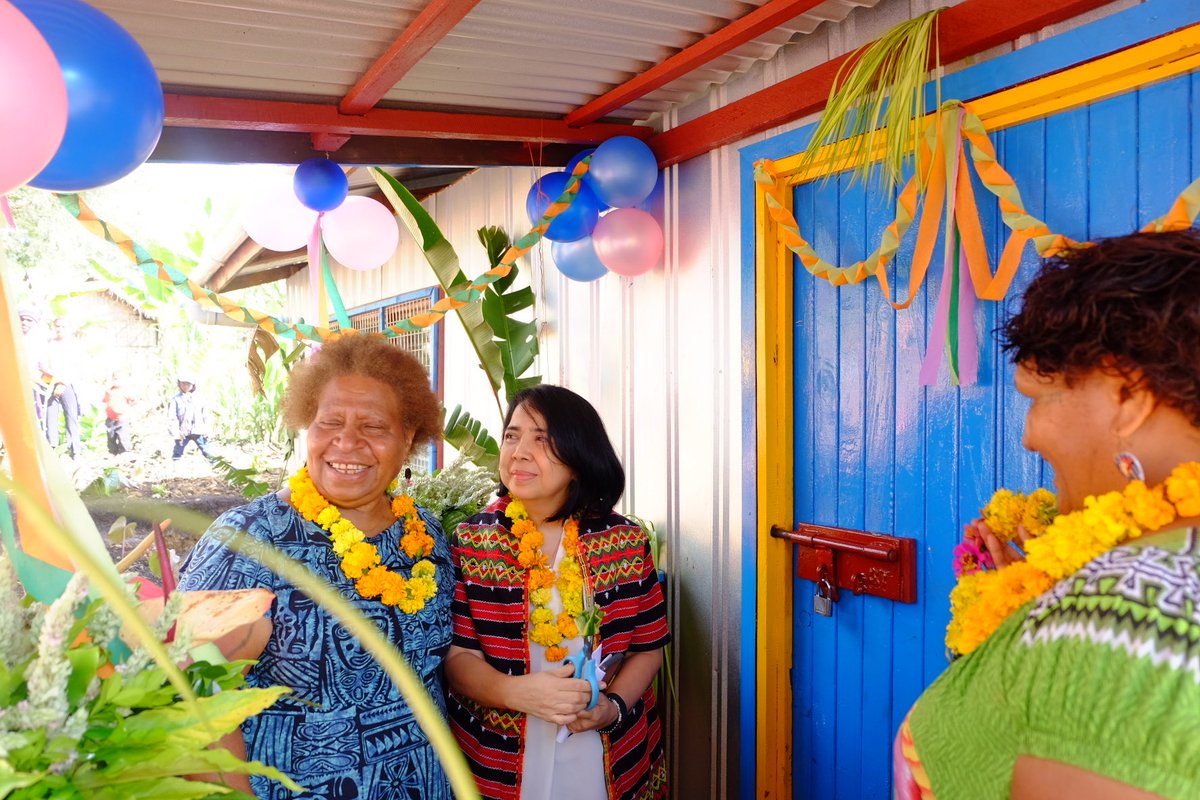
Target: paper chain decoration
column 177, row 281
column 942, row 164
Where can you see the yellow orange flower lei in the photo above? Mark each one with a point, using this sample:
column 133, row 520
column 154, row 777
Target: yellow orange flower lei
column 982, row 600
column 544, row 628
column 360, row 559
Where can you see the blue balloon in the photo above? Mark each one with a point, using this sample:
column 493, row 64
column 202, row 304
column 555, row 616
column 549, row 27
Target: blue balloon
column 114, row 99
column 320, row 184
column 576, row 221
column 570, row 167
column 623, row 172
column 578, row 260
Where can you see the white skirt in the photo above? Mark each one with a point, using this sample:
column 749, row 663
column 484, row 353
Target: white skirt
column 574, row 768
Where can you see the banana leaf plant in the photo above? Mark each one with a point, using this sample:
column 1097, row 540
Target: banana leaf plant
column 517, row 339
column 506, row 346
column 444, row 263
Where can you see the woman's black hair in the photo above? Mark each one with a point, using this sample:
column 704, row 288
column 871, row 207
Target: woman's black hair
column 1130, row 303
column 578, row 440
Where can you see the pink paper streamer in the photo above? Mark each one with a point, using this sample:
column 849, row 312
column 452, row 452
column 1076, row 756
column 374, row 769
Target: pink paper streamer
column 7, row 211
column 941, row 318
column 314, row 270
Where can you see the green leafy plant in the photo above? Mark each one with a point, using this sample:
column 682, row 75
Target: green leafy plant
column 517, row 339
column 107, row 483
column 879, row 89
column 444, row 263
column 506, row 346
column 244, row 478
column 74, row 727
column 467, row 435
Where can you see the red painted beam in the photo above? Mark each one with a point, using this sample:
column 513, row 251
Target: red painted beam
column 427, row 29
column 194, row 111
column 764, row 18
column 328, row 142
column 965, row 29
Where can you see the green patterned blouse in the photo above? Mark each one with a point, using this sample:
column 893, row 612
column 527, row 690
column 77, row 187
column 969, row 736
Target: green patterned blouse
column 1101, row 672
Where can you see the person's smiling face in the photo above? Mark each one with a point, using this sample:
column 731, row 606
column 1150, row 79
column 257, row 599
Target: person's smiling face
column 529, row 467
column 357, row 442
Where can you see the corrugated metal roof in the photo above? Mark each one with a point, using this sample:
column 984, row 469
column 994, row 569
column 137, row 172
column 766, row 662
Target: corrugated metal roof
column 504, row 58
column 515, row 57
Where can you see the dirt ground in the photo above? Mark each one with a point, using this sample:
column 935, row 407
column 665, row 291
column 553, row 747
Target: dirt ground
column 140, row 484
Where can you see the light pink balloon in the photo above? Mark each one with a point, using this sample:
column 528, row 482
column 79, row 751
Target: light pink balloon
column 277, row 219
column 33, row 100
column 628, row 241
column 361, row 233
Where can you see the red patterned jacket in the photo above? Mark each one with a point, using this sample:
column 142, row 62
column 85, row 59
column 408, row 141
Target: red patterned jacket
column 491, row 614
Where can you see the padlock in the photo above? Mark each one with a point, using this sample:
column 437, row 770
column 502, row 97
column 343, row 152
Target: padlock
column 822, row 602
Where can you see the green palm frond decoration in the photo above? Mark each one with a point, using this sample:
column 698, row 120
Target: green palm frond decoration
column 468, row 436
column 444, row 262
column 872, row 120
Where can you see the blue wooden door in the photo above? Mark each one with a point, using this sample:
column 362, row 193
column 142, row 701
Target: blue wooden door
column 876, row 451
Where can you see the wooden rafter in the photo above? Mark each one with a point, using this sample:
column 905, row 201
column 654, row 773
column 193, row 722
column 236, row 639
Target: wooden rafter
column 240, row 257
column 427, row 29
column 965, row 29
column 217, row 146
column 764, row 18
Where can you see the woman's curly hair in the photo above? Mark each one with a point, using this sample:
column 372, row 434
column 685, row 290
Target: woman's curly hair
column 1130, row 303
column 372, row 356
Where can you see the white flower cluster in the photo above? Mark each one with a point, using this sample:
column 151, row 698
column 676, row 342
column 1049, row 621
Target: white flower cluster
column 16, row 618
column 454, row 493
column 177, row 650
column 34, row 640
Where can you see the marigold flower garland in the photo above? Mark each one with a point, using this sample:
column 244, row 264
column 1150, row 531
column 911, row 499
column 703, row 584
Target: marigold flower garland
column 544, row 628
column 1064, row 543
column 360, row 559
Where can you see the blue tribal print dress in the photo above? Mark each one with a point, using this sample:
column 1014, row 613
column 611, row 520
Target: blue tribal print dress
column 344, row 732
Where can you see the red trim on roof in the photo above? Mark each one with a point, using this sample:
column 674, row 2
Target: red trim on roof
column 965, row 29
column 764, row 18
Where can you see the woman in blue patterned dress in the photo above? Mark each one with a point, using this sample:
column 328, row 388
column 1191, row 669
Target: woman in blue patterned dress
column 345, row 731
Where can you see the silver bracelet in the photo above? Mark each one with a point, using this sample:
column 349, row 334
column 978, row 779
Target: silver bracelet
column 621, row 712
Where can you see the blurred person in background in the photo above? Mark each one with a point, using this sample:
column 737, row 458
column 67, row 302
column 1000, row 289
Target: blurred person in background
column 59, row 369
column 187, row 418
column 119, row 404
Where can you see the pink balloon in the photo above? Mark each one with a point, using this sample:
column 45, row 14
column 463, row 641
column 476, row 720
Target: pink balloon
column 33, row 100
column 277, row 219
column 628, row 241
column 361, row 233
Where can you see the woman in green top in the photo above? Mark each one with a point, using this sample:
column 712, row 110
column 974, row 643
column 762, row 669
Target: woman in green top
column 1090, row 689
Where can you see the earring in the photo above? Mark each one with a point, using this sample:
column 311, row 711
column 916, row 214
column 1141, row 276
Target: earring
column 1129, row 466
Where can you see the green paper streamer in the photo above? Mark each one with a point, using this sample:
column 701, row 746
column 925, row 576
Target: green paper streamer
column 44, row 582
column 335, row 297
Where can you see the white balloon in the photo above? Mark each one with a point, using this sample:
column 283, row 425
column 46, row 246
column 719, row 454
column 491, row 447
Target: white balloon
column 361, row 233
column 277, row 220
